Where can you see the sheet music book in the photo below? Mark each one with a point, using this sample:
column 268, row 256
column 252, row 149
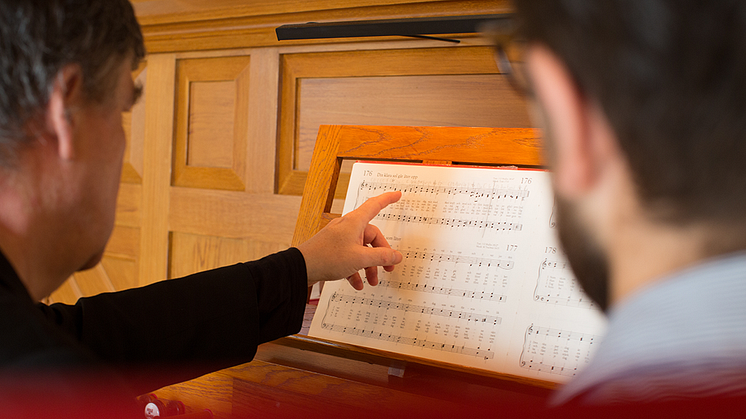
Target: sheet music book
column 483, row 282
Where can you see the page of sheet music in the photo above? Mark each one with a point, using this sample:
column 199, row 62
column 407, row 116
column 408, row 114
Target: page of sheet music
column 483, row 282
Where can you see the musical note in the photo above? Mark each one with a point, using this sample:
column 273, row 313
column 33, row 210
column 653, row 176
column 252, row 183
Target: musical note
column 556, row 351
column 555, row 284
column 471, row 241
column 472, row 192
column 471, row 260
column 409, row 286
column 466, row 316
column 408, row 340
column 450, row 222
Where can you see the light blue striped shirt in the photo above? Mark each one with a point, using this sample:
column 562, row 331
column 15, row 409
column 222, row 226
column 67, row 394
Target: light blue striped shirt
column 683, row 336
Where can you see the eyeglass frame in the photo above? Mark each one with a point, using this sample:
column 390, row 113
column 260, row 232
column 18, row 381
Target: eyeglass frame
column 503, row 32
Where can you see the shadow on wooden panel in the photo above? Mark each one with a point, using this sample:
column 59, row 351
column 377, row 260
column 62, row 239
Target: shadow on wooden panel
column 118, row 269
column 67, row 293
column 122, row 272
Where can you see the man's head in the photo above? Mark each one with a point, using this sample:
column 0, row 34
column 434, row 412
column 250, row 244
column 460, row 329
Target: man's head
column 65, row 78
column 38, row 38
column 666, row 80
column 669, row 76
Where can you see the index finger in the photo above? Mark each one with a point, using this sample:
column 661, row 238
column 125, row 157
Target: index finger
column 370, row 208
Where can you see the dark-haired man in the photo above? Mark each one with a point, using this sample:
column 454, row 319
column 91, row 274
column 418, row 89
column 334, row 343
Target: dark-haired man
column 65, row 79
column 644, row 108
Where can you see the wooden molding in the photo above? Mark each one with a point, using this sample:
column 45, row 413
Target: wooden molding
column 171, row 26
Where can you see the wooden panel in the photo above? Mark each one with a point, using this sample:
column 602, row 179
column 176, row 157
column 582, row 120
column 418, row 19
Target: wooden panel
column 229, row 214
column 114, row 273
column 156, row 175
column 134, row 130
column 208, row 89
column 122, row 256
column 67, row 293
column 262, row 120
column 192, row 253
column 211, row 119
column 129, row 204
column 122, row 272
column 94, row 281
column 415, row 66
column 124, row 242
column 458, row 100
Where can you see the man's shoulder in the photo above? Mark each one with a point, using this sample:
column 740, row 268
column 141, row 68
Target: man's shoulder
column 682, row 337
column 28, row 340
column 712, row 378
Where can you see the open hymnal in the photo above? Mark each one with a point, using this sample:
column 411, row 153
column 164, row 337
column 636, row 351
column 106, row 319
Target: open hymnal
column 483, row 282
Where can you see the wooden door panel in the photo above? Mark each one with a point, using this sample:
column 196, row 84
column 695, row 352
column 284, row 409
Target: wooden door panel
column 212, row 106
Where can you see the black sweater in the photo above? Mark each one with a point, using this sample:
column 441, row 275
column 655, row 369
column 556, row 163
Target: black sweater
column 106, row 349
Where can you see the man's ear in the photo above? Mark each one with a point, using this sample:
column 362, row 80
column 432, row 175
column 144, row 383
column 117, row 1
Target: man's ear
column 66, row 97
column 566, row 118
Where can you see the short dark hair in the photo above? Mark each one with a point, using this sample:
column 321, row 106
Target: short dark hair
column 670, row 76
column 39, row 37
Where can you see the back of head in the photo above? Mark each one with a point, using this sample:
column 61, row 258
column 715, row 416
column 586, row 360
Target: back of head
column 670, row 76
column 39, row 37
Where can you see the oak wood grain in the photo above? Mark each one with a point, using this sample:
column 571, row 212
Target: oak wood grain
column 204, row 112
column 129, row 205
column 159, row 104
column 229, row 214
column 431, row 72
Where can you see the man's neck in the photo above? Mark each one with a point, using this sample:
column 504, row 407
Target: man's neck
column 25, row 240
column 645, row 252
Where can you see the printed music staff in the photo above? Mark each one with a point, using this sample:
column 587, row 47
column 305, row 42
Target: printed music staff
column 480, row 267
